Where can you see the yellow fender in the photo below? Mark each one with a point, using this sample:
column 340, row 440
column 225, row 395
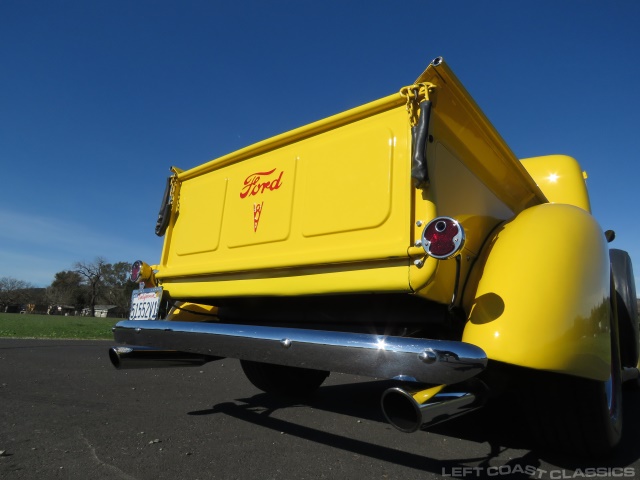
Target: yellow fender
column 543, row 293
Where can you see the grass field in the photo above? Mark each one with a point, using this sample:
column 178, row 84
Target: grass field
column 55, row 326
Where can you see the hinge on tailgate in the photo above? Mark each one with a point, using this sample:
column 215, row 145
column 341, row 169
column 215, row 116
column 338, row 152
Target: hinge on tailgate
column 419, row 109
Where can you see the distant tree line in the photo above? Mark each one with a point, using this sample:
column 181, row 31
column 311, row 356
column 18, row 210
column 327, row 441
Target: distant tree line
column 81, row 288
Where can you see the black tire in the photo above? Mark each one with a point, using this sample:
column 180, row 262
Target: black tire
column 627, row 306
column 282, row 380
column 577, row 416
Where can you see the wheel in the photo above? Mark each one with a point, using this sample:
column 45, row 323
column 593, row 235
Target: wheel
column 574, row 415
column 627, row 306
column 283, row 380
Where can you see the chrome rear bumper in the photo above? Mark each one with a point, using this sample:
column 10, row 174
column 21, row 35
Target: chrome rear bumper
column 400, row 358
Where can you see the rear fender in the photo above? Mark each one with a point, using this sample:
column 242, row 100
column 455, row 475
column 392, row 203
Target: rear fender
column 543, row 293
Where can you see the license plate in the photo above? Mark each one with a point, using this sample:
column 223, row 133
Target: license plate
column 145, row 304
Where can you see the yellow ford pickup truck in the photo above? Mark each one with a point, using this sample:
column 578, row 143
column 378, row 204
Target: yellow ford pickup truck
column 400, row 240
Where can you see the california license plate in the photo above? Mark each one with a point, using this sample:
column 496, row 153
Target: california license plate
column 145, row 304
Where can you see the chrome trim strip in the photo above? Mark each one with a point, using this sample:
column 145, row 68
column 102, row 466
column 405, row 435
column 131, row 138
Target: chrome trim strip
column 415, row 359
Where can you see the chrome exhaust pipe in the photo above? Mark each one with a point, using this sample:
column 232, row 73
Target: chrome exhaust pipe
column 126, row 357
column 411, row 410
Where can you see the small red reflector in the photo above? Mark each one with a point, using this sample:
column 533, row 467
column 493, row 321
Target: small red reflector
column 443, row 238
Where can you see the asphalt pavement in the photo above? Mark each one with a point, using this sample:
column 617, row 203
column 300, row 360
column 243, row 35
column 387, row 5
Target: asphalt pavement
column 65, row 412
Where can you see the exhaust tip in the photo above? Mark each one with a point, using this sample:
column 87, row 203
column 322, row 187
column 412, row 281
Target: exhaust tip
column 401, row 410
column 114, row 355
column 123, row 357
column 420, row 409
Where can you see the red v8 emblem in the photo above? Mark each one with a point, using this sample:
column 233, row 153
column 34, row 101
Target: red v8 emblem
column 257, row 211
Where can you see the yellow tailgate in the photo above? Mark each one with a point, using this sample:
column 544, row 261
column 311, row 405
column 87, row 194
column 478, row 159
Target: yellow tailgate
column 335, row 192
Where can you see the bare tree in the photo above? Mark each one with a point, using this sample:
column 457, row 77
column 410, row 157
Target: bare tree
column 93, row 277
column 13, row 291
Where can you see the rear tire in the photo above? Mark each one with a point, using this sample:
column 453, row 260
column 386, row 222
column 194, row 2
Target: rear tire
column 283, row 380
column 627, row 306
column 574, row 415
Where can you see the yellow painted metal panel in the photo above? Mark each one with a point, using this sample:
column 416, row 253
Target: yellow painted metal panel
column 542, row 299
column 560, row 178
column 459, row 192
column 338, row 196
column 351, row 190
column 472, row 138
column 203, row 205
column 384, row 276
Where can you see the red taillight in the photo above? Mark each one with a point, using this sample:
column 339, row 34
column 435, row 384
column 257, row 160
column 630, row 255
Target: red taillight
column 136, row 270
column 142, row 273
column 443, row 238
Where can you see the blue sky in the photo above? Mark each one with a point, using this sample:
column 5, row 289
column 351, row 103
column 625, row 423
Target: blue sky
column 99, row 98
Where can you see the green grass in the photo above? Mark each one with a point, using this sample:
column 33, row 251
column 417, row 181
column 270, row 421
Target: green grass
column 55, row 326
